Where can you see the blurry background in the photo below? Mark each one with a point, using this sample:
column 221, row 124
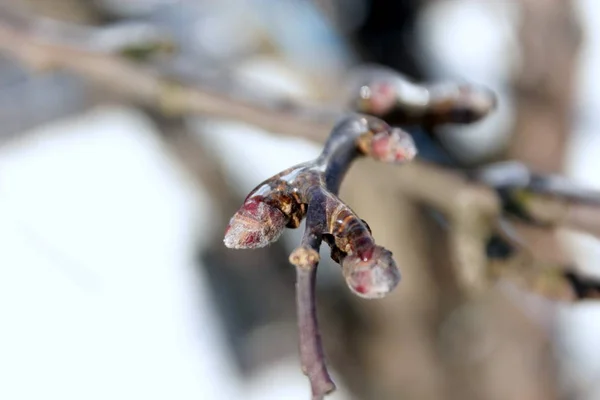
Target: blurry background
column 114, row 282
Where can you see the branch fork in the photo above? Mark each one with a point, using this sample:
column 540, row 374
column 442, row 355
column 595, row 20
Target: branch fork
column 309, row 191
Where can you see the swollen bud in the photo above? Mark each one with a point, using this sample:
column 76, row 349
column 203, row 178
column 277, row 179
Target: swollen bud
column 373, row 278
column 396, row 146
column 256, row 224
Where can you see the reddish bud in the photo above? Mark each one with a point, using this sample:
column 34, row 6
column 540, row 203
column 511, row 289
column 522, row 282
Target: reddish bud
column 373, row 278
column 396, row 146
column 256, row 224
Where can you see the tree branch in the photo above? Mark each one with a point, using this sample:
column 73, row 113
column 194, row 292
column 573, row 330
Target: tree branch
column 145, row 86
column 306, row 258
column 310, row 190
column 474, row 210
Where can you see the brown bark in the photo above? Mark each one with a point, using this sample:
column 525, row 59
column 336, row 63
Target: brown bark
column 550, row 38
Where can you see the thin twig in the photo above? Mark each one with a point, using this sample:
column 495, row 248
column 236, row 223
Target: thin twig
column 306, row 259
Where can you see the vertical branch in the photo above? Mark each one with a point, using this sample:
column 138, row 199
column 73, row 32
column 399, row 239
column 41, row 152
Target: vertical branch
column 306, row 258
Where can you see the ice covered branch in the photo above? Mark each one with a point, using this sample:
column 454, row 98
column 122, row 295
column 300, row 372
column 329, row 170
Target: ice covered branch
column 309, row 190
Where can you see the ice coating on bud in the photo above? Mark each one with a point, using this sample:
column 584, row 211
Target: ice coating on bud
column 373, row 278
column 254, row 225
column 396, row 147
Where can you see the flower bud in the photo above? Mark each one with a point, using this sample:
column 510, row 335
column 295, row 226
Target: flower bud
column 256, row 224
column 396, row 146
column 373, row 278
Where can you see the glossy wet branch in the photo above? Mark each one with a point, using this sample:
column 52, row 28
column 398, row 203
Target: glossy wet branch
column 306, row 258
column 396, row 100
column 309, row 191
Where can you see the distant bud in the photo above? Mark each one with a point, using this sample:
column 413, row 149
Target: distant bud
column 377, row 98
column 373, row 278
column 256, row 224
